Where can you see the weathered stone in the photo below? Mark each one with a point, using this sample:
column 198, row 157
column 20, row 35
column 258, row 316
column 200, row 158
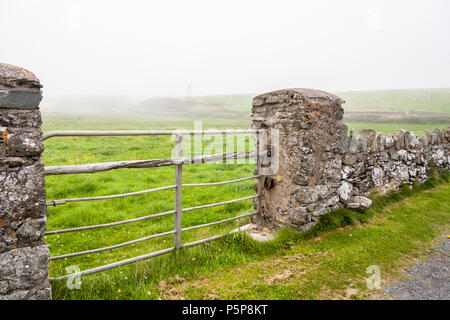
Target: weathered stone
column 399, row 139
column 436, row 137
column 359, row 169
column 345, row 190
column 346, row 171
column 399, row 154
column 446, row 135
column 401, row 173
column 273, row 99
column 23, row 268
column 370, row 138
column 353, row 146
column 423, row 139
column 350, row 159
column 13, row 77
column 322, row 191
column 361, row 143
column 16, row 118
column 32, row 229
column 377, row 176
column 306, row 195
column 15, row 99
column 411, row 140
column 344, row 138
column 358, row 202
column 319, row 212
column 23, row 142
column 307, row 226
column 22, row 191
column 380, row 141
column 388, row 187
column 258, row 102
column 38, row 294
column 389, row 141
column 332, row 170
column 332, row 201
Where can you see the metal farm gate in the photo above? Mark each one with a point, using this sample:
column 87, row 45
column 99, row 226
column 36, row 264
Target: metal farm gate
column 178, row 161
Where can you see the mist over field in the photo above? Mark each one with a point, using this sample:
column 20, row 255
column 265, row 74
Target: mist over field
column 199, row 59
column 142, row 49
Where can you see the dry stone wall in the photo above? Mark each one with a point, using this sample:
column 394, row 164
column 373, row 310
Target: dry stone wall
column 23, row 253
column 323, row 168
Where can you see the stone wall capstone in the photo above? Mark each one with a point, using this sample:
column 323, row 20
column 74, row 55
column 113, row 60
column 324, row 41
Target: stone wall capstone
column 23, row 253
column 323, row 168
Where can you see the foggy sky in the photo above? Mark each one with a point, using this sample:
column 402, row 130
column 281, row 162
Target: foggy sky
column 159, row 48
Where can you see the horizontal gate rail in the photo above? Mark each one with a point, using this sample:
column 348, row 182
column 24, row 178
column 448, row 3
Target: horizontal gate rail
column 218, row 222
column 218, row 183
column 106, row 166
column 98, row 226
column 139, row 258
column 113, row 246
column 47, row 233
column 114, row 196
column 115, row 264
column 218, row 203
column 65, row 201
column 75, row 254
column 142, row 133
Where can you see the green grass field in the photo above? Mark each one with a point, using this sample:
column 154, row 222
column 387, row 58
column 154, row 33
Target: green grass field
column 144, row 277
column 327, row 262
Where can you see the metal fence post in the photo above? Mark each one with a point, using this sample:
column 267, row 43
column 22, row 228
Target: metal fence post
column 178, row 190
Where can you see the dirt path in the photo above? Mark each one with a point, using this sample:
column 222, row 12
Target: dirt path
column 427, row 281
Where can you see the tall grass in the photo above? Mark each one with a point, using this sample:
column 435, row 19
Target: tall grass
column 142, row 280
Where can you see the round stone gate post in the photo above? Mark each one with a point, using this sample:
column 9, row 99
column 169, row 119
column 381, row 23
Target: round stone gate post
column 23, row 253
column 308, row 176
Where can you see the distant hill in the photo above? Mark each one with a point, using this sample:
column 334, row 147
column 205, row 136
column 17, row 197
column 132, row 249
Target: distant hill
column 434, row 100
column 226, row 106
column 238, row 106
column 106, row 104
column 431, row 100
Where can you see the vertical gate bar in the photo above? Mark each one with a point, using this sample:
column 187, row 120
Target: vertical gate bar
column 178, row 190
column 259, row 200
column 258, row 217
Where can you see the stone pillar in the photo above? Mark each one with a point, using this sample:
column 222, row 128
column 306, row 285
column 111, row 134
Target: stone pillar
column 23, row 253
column 310, row 133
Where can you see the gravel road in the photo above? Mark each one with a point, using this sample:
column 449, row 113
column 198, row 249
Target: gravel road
column 427, row 281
